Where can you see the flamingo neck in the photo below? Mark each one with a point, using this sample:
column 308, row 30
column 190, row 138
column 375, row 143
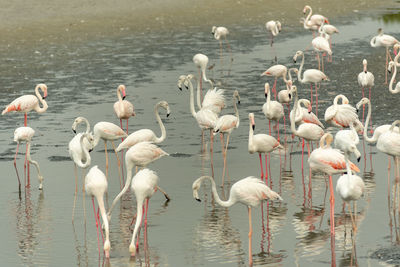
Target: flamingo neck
column 100, row 202
column 191, row 98
column 139, row 216
column 198, row 95
column 162, row 127
column 39, row 109
column 203, row 73
column 365, row 133
column 251, row 134
column 119, row 94
column 396, row 90
column 85, row 153
column 35, row 163
column 225, row 204
column 373, row 42
column 236, row 110
column 293, row 115
column 307, row 20
column 300, row 69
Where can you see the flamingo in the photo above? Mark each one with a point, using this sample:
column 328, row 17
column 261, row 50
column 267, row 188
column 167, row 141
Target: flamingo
column 389, row 143
column 306, row 130
column 144, row 185
column 384, row 40
column 393, row 65
column 313, row 22
column 225, row 125
column 321, row 44
column 378, row 130
column 147, row 134
column 214, row 99
column 274, row 27
column 139, row 155
column 273, row 110
column 25, row 134
column 350, row 187
column 365, row 80
column 219, row 33
column 330, row 161
column 249, row 191
column 79, row 153
column 261, row 143
column 108, row 131
column 309, row 76
column 201, row 61
column 95, row 186
column 342, row 115
column 305, row 115
column 347, row 141
column 276, row 71
column 27, row 103
column 123, row 108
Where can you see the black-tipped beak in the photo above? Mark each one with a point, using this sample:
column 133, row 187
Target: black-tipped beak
column 44, row 97
column 90, row 150
column 310, row 112
column 168, row 115
column 389, row 71
column 186, row 87
column 345, row 173
column 180, row 88
column 198, row 199
column 253, row 126
column 123, row 98
column 74, row 131
column 266, row 95
column 294, row 60
column 216, row 131
column 358, row 159
column 357, row 110
column 239, row 102
column 365, row 71
column 290, row 96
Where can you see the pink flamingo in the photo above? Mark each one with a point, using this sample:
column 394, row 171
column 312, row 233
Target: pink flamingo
column 330, row 161
column 276, row 71
column 393, row 67
column 27, row 103
column 274, row 27
column 147, row 134
column 261, row 143
column 389, row 143
column 25, row 134
column 313, row 22
column 144, row 185
column 139, row 155
column 123, row 108
column 219, row 33
column 310, row 76
column 201, row 61
column 365, row 80
column 95, row 186
column 347, row 141
column 305, row 115
column 249, row 191
column 321, row 44
column 225, row 125
column 386, row 41
column 307, row 131
column 273, row 110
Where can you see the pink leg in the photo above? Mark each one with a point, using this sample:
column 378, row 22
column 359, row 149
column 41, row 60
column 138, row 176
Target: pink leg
column 311, row 95
column 370, row 120
column 127, row 131
column 211, row 151
column 277, row 129
column 15, row 166
column 122, row 153
column 266, row 169
column 26, row 183
column 201, row 86
column 97, row 225
column 274, row 88
column 332, row 200
column 316, row 100
column 145, row 218
column 269, row 126
column 284, row 124
column 262, row 173
column 302, row 153
column 362, row 90
column 26, row 119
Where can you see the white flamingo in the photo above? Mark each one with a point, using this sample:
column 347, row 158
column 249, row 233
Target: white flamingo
column 123, row 108
column 274, row 27
column 273, row 110
column 219, row 33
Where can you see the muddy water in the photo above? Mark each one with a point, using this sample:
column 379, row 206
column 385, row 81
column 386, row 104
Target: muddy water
column 82, row 58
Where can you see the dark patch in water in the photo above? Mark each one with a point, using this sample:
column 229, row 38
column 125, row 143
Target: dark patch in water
column 59, row 158
column 180, row 155
column 389, row 255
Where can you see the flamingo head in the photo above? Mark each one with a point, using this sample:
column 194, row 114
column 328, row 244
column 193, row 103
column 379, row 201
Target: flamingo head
column 365, row 65
column 266, row 89
column 326, row 21
column 43, row 88
column 279, row 25
column 363, row 101
column 201, row 61
column 380, row 31
column 164, row 104
column 213, row 29
column 266, row 73
column 195, row 187
column 77, row 121
column 181, row 80
column 251, row 118
column 298, row 53
column 132, row 250
column 306, row 8
column 390, row 67
column 236, row 95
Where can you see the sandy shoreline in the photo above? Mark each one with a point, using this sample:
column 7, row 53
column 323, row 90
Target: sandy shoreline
column 38, row 22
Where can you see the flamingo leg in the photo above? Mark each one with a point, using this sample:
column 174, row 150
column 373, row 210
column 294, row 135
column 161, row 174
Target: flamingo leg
column 250, row 233
column 119, row 164
column 220, row 52
column 221, row 135
column 16, row 170
column 211, row 151
column 319, row 63
column 229, row 48
column 127, row 131
column 97, row 225
column 105, row 151
column 226, row 152
column 165, row 193
column 122, row 154
column 386, row 65
column 274, row 88
column 332, row 201
column 277, row 129
column 316, row 100
column 302, row 154
column 145, row 217
column 311, row 95
column 352, row 218
column 76, row 190
column 26, row 119
column 262, row 173
column 266, row 169
column 269, row 126
column 370, row 119
column 84, row 195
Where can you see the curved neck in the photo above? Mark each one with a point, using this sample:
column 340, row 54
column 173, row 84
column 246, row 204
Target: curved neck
column 275, row 30
column 251, row 133
column 100, row 202
column 129, row 166
column 300, row 69
column 87, row 124
column 162, row 127
column 203, row 73
column 191, row 98
column 198, row 93
column 227, row 203
column 139, row 215
column 373, row 42
column 236, row 110
column 28, row 156
column 365, row 133
column 84, row 152
column 39, row 109
column 393, row 91
column 307, row 20
column 293, row 116
column 119, row 94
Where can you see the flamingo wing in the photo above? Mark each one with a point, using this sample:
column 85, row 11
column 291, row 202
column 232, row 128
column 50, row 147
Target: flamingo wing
column 214, row 100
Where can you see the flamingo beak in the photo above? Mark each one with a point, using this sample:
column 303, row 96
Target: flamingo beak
column 123, row 98
column 168, row 115
column 309, row 109
column 74, row 131
column 266, row 95
column 180, row 88
column 253, row 126
column 238, row 101
column 358, row 159
column 90, row 150
column 365, row 71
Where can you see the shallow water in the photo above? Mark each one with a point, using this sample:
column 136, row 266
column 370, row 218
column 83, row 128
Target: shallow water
column 82, row 77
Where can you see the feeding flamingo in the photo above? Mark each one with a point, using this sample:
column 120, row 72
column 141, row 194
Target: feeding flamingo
column 147, row 134
column 95, row 186
column 144, row 185
column 393, row 67
column 273, row 110
column 201, row 61
column 384, row 40
column 28, row 103
column 347, row 141
column 219, row 33
column 276, row 71
column 139, row 155
column 305, row 115
column 249, row 191
column 225, row 125
column 25, row 134
column 330, row 161
column 309, row 76
column 123, row 108
column 261, row 143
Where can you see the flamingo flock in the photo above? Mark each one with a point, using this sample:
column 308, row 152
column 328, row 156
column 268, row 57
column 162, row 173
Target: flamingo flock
column 142, row 145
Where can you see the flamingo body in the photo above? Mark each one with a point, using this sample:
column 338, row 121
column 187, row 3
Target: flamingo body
column 123, row 108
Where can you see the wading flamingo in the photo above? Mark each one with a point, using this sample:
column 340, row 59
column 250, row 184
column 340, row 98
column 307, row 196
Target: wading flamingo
column 386, row 41
column 225, row 125
column 27, row 103
column 249, row 191
column 274, row 27
column 273, row 110
column 321, row 44
column 144, row 185
column 25, row 134
column 313, row 22
column 219, row 33
column 276, row 71
column 393, row 65
column 95, row 186
column 262, row 144
column 330, row 161
column 389, row 143
column 309, row 76
column 305, row 115
column 139, row 155
column 350, row 187
column 147, row 134
column 365, row 80
column 123, row 108
column 201, row 61
column 347, row 141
